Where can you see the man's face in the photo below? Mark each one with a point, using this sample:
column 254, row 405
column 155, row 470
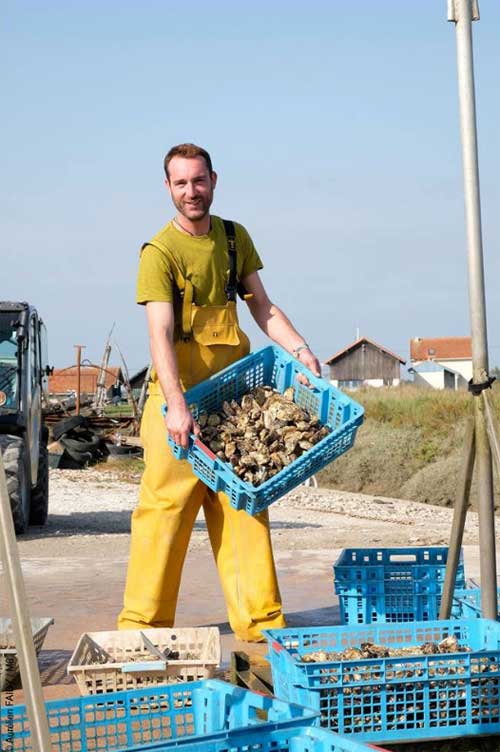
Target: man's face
column 191, row 186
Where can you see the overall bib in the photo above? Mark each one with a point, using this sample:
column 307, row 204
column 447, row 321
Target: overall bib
column 207, row 339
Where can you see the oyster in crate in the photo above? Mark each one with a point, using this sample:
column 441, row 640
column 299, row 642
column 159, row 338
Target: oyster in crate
column 261, row 434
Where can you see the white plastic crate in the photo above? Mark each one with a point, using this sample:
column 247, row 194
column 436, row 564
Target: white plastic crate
column 9, row 664
column 130, row 659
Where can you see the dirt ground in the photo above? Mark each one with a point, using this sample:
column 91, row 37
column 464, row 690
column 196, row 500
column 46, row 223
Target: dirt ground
column 75, row 567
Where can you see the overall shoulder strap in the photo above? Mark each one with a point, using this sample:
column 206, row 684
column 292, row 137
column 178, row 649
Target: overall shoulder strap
column 233, row 285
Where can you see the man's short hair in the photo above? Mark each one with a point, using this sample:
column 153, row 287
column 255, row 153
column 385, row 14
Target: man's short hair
column 188, row 151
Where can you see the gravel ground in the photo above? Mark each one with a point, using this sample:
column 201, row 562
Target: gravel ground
column 97, row 502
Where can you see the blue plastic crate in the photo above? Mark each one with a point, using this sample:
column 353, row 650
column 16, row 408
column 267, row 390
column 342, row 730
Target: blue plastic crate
column 467, row 603
column 300, row 739
column 145, row 718
column 411, row 698
column 273, row 367
column 392, row 585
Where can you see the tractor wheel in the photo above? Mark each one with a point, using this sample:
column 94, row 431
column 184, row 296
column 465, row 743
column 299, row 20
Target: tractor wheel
column 39, row 506
column 13, row 453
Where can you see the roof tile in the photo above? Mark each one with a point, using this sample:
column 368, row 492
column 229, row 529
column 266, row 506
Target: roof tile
column 441, row 348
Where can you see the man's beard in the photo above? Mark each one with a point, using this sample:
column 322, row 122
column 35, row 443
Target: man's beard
column 194, row 213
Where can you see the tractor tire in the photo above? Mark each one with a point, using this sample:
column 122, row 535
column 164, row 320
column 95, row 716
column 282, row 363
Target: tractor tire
column 67, row 424
column 39, row 505
column 14, row 459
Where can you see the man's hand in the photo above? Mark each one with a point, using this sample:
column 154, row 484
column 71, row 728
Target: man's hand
column 180, row 423
column 309, row 360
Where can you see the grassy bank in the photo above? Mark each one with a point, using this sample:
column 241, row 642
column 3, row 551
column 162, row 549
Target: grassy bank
column 410, row 446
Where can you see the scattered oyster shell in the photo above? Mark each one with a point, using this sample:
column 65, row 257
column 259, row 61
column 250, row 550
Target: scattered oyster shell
column 261, row 434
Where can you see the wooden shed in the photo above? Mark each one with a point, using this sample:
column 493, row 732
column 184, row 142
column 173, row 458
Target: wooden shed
column 364, row 363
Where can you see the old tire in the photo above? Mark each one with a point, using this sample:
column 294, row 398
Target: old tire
column 39, row 505
column 80, row 443
column 17, row 476
column 67, row 424
column 83, row 457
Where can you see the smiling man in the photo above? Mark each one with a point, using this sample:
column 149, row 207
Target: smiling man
column 189, row 276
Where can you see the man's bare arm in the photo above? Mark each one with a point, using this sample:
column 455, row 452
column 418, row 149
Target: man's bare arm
column 179, row 420
column 275, row 323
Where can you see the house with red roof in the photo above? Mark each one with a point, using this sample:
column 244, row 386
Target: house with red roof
column 65, row 380
column 441, row 362
column 364, row 363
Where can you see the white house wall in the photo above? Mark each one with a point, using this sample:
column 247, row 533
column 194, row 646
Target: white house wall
column 377, row 383
column 462, row 367
column 433, row 379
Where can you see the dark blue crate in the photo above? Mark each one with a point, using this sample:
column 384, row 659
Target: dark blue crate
column 467, row 603
column 273, row 367
column 301, row 739
column 392, row 585
column 144, row 718
column 413, row 698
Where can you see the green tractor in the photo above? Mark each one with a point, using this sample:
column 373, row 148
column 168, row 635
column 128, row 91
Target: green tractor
column 24, row 372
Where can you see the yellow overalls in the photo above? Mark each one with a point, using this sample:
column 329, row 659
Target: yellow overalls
column 207, row 339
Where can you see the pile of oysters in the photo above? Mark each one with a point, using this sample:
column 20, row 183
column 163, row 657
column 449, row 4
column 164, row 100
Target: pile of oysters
column 261, row 434
column 371, row 650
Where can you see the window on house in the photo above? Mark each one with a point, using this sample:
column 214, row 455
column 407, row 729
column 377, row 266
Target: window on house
column 350, row 383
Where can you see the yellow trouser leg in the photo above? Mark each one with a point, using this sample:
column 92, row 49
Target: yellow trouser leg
column 169, row 500
column 244, row 557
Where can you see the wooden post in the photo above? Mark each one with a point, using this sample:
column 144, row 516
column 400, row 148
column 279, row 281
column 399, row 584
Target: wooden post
column 458, row 524
column 492, row 430
column 21, row 626
column 79, row 349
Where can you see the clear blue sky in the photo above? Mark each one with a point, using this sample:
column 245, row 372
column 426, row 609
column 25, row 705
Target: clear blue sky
column 333, row 126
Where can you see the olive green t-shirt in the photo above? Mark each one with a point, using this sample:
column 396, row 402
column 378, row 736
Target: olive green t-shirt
column 202, row 259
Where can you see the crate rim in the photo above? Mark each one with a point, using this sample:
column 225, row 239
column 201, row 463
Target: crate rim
column 170, row 662
column 392, row 549
column 278, row 647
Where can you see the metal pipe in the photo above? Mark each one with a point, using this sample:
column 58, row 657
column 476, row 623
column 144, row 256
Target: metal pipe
column 458, row 524
column 463, row 12
column 21, row 624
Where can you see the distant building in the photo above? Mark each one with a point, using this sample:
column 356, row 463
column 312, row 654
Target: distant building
column 454, row 354
column 137, row 381
column 64, row 380
column 431, row 374
column 364, row 363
